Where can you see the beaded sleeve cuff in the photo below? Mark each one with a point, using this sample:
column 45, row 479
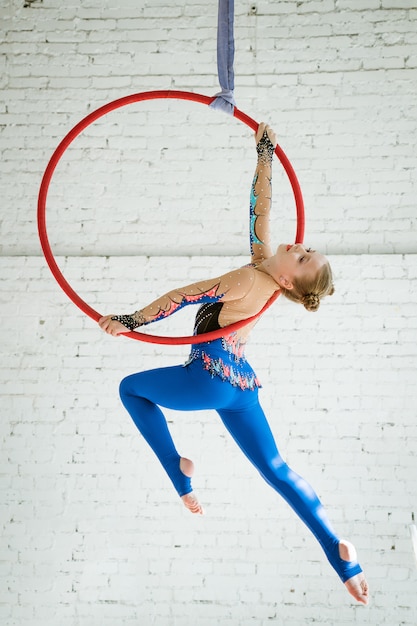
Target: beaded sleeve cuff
column 265, row 149
column 130, row 321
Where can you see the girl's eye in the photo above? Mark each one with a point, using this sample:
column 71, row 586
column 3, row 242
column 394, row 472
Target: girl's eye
column 308, row 249
column 302, row 259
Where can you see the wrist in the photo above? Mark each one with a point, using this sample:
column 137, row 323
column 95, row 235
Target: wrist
column 130, row 321
column 265, row 149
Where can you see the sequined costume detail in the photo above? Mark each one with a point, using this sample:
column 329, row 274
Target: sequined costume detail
column 225, row 358
column 252, row 216
column 207, row 318
column 265, row 149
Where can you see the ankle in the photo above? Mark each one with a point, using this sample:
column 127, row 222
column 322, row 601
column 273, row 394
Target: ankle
column 186, row 467
column 347, row 551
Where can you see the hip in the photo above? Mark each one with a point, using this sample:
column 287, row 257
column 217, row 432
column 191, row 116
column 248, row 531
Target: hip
column 225, row 359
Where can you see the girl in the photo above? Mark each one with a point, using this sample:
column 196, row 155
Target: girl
column 218, row 376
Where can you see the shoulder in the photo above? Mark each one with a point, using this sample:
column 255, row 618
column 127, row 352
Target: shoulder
column 245, row 274
column 237, row 283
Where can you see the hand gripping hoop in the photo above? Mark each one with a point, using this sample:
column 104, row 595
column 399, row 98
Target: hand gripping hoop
column 77, row 130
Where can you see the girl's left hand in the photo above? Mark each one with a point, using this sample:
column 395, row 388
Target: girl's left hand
column 112, row 327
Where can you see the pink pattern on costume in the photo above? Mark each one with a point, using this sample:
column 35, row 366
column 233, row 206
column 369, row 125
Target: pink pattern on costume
column 217, row 367
column 234, row 345
column 225, row 358
column 205, row 296
column 211, row 293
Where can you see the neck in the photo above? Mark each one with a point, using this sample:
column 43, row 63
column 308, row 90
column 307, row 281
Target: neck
column 269, row 267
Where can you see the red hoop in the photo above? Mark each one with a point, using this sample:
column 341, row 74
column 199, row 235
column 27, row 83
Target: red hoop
column 77, row 130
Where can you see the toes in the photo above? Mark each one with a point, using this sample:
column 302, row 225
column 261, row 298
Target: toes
column 358, row 588
column 192, row 504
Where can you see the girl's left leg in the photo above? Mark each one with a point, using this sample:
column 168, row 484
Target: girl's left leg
column 250, row 429
column 179, row 388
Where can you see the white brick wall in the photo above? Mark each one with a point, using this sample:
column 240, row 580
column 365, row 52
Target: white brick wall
column 92, row 533
column 337, row 79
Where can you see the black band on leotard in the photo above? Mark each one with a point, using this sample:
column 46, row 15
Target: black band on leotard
column 207, row 318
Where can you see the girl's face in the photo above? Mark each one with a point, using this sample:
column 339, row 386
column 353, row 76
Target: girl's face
column 294, row 261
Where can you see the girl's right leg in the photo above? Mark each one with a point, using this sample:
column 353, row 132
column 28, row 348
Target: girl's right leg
column 250, row 429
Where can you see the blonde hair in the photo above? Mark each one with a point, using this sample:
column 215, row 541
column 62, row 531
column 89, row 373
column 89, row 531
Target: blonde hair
column 310, row 291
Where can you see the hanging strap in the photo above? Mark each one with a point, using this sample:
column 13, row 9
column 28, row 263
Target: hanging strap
column 225, row 100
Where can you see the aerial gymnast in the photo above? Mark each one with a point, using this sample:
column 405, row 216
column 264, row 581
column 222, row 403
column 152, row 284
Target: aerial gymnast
column 218, row 376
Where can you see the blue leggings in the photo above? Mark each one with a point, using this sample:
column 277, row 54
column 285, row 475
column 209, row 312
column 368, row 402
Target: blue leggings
column 190, row 388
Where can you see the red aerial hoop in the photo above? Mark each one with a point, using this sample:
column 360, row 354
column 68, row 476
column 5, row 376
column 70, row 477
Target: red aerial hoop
column 77, row 130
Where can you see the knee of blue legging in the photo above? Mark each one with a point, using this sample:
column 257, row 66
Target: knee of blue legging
column 125, row 387
column 275, row 472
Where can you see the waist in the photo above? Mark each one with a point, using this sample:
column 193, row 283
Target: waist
column 227, row 360
column 230, row 347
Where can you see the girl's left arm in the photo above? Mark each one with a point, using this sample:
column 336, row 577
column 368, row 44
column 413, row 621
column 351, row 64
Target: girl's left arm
column 231, row 286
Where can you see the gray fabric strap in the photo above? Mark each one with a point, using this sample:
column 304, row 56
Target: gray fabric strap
column 225, row 100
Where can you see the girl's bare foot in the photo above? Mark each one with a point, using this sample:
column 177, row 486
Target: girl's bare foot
column 190, row 500
column 357, row 585
column 192, row 504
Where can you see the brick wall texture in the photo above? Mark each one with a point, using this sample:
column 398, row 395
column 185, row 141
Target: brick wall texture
column 155, row 195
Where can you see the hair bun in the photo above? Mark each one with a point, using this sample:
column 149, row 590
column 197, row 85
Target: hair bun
column 311, row 301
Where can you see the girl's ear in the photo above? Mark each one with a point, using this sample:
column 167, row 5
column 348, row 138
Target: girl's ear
column 285, row 282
